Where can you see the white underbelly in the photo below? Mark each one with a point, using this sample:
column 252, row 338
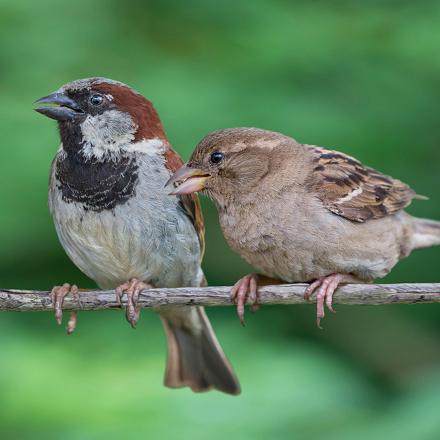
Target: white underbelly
column 111, row 247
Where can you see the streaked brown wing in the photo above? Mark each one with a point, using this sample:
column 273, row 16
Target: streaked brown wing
column 354, row 191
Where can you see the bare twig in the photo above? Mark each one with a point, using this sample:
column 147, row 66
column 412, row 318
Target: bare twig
column 372, row 294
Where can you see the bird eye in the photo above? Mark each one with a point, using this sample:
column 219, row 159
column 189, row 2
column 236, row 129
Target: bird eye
column 217, row 157
column 96, row 99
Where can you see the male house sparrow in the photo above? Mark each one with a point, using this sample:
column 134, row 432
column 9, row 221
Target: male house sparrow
column 302, row 213
column 117, row 223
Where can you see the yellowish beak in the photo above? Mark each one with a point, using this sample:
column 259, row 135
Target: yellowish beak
column 189, row 180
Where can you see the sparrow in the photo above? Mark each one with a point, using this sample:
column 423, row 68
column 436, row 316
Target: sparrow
column 119, row 226
column 303, row 213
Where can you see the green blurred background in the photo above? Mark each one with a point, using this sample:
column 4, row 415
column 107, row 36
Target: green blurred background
column 363, row 77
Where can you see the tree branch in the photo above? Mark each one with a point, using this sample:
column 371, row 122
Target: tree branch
column 37, row 301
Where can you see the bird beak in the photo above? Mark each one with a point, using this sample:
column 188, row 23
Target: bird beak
column 65, row 108
column 189, row 180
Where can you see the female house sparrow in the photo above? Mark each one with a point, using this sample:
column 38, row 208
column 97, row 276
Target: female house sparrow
column 301, row 213
column 119, row 226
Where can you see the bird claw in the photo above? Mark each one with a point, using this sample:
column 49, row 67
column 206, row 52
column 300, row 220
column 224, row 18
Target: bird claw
column 311, row 288
column 245, row 291
column 71, row 324
column 132, row 289
column 57, row 295
column 327, row 286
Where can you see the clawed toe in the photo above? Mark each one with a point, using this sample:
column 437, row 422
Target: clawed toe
column 245, row 291
column 311, row 288
column 57, row 295
column 326, row 287
column 132, row 289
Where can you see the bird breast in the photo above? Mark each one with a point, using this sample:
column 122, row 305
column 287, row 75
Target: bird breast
column 147, row 236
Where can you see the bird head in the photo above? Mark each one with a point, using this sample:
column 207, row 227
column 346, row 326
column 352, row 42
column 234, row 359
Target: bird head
column 103, row 118
column 226, row 162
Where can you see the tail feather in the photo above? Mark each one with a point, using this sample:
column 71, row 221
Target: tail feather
column 195, row 357
column 426, row 233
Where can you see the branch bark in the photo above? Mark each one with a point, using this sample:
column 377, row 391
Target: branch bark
column 367, row 294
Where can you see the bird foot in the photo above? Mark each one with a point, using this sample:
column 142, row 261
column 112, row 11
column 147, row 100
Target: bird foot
column 57, row 295
column 327, row 286
column 245, row 291
column 132, row 289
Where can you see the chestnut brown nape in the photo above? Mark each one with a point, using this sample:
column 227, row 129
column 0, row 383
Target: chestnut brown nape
column 141, row 110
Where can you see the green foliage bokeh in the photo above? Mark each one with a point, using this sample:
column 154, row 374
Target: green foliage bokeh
column 363, row 77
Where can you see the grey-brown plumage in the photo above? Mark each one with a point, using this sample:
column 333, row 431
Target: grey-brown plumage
column 301, row 213
column 117, row 223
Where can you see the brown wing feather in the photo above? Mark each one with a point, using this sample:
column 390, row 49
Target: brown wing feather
column 354, row 191
column 190, row 202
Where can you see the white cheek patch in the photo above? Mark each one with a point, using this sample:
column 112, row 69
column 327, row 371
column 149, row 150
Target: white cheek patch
column 111, row 134
column 104, row 135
